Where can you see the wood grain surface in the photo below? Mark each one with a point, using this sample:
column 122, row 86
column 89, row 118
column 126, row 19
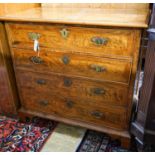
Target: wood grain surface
column 119, row 42
column 8, row 92
column 75, row 79
column 134, row 6
column 84, row 16
column 9, row 8
column 101, row 93
column 73, row 109
column 77, row 65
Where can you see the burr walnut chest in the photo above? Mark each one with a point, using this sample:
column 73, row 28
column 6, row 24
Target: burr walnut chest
column 77, row 67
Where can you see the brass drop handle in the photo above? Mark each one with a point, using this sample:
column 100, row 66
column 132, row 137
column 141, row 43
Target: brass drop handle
column 99, row 40
column 98, row 68
column 69, row 103
column 65, row 59
column 36, row 60
column 98, row 91
column 43, row 102
column 41, row 81
column 97, row 114
column 67, row 82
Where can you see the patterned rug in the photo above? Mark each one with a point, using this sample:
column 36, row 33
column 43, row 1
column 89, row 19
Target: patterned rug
column 35, row 135
column 99, row 142
column 24, row 137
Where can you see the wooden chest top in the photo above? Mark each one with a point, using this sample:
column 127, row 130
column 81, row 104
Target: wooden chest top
column 83, row 16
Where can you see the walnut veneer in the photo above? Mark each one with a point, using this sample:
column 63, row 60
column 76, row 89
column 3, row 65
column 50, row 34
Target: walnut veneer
column 84, row 70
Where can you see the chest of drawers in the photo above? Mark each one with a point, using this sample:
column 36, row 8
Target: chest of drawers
column 85, row 77
column 81, row 73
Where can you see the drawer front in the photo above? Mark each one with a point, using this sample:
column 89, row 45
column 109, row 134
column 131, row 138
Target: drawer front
column 118, row 42
column 101, row 93
column 75, row 64
column 76, row 110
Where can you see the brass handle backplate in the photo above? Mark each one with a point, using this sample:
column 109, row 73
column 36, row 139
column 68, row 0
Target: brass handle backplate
column 43, row 102
column 97, row 114
column 99, row 41
column 98, row 91
column 98, row 68
column 67, row 82
column 34, row 36
column 36, row 60
column 65, row 60
column 41, row 81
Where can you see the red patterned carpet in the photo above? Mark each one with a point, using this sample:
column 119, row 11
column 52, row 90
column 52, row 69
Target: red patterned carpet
column 24, row 137
column 32, row 135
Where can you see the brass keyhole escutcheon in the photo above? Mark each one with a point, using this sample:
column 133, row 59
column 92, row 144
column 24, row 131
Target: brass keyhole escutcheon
column 65, row 60
column 64, row 33
column 67, row 82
